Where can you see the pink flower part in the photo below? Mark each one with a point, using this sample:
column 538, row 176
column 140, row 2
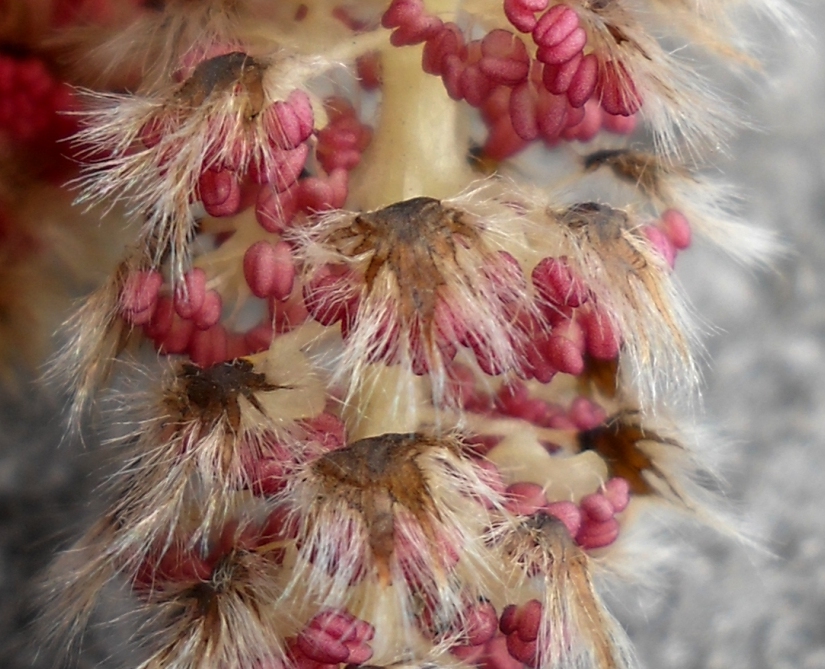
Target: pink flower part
column 583, row 81
column 496, row 655
column 474, row 85
column 523, row 112
column 556, row 283
column 513, row 399
column 617, row 492
column 564, row 351
column 342, row 142
column 335, row 636
column 220, row 192
column 596, row 507
column 677, row 228
column 448, row 41
column 503, row 141
column 209, row 347
column 522, row 13
column 210, row 311
column 369, row 71
column 258, row 338
column 176, row 339
column 287, row 316
column 289, row 123
column 589, row 125
column 269, row 269
column 617, row 91
column 480, row 624
column 568, row 513
column 504, row 58
column 619, row 125
column 265, row 469
column 139, row 296
column 558, row 35
column 162, row 319
column 601, row 336
column 330, row 297
column 322, row 194
column 284, row 169
column 594, row 534
column 525, row 499
column 412, row 23
column 660, row 241
column 189, row 295
column 274, row 210
column 586, row 414
column 490, row 475
column 327, row 430
column 521, row 625
column 553, row 114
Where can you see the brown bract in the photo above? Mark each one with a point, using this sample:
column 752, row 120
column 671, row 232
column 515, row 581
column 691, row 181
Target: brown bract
column 212, row 394
column 374, row 475
column 417, row 241
column 232, row 72
column 617, row 441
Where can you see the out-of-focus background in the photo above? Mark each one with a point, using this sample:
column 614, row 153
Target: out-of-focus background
column 716, row 604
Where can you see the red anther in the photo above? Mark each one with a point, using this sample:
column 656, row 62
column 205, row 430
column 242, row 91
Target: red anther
column 564, row 354
column 289, row 123
column 556, row 283
column 327, row 430
column 411, row 21
column 139, row 296
column 661, row 243
column 594, row 534
column 275, row 210
column 586, row 414
column 583, row 81
column 568, row 513
column 596, row 507
column 564, row 51
column 176, row 340
column 265, row 470
column 503, row 142
column 480, row 624
column 342, row 142
column 525, row 499
column 555, row 26
column 557, row 78
column 513, row 399
column 285, row 168
column 453, row 67
column 190, row 294
column 369, row 71
column 209, row 347
column 332, row 637
column 287, row 316
column 522, row 13
column 269, row 269
column 496, row 655
column 523, row 112
column 619, row 125
column 677, row 228
column 504, row 58
column 600, row 334
column 617, row 91
column 210, row 311
column 474, row 85
column 330, row 295
column 162, row 317
column 449, row 41
column 318, row 194
column 258, row 338
column 551, row 114
column 220, row 192
column 521, row 624
column 588, row 127
column 617, row 492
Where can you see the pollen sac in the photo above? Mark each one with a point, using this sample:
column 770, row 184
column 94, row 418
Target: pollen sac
column 413, row 283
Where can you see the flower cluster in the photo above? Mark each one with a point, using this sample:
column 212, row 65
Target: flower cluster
column 399, row 398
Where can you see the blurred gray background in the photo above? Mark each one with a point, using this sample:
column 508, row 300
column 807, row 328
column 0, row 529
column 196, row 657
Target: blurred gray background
column 716, row 605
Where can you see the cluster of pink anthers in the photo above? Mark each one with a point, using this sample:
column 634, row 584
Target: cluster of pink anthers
column 393, row 392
